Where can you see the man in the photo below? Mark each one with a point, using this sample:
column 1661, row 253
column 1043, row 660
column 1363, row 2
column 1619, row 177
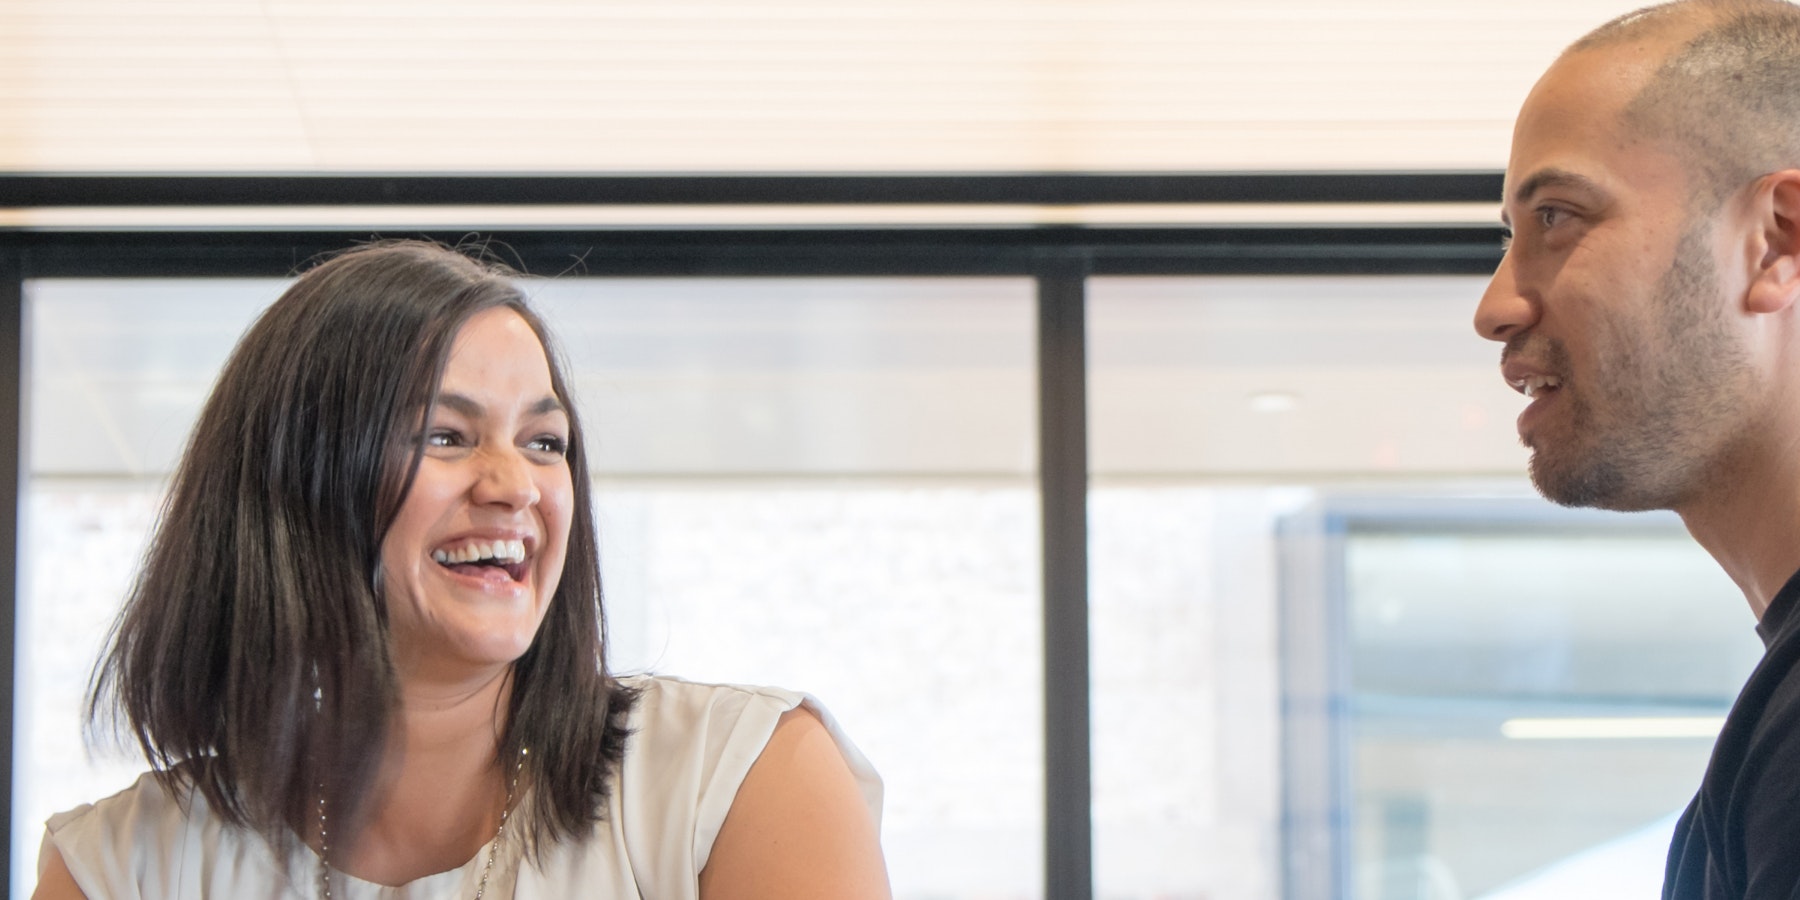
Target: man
column 1648, row 306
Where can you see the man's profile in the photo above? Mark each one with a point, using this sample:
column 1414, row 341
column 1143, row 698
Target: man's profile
column 1649, row 305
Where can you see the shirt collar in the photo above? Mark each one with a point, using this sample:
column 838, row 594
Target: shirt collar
column 1780, row 609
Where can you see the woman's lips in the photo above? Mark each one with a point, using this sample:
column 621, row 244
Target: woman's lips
column 510, row 572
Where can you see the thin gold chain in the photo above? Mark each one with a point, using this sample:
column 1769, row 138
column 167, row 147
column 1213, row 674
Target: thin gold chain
column 493, row 848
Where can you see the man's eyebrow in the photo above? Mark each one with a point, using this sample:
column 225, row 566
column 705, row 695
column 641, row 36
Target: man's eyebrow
column 1549, row 178
column 1546, row 178
column 466, row 406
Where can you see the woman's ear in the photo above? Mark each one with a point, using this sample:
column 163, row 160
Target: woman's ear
column 1775, row 285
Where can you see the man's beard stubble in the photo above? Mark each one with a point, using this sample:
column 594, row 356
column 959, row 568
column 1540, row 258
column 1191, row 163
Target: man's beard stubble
column 1652, row 423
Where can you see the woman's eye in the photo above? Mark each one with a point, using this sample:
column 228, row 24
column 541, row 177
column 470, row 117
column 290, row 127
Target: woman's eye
column 443, row 437
column 550, row 443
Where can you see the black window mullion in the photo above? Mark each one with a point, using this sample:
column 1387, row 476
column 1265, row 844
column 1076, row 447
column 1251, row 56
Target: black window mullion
column 12, row 382
column 1062, row 474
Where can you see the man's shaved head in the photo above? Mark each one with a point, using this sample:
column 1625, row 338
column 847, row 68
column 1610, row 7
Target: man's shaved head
column 1726, row 98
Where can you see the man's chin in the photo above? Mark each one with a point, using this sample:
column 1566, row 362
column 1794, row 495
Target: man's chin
column 1588, row 484
column 1570, row 483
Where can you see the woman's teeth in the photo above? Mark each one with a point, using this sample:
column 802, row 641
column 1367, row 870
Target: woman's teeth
column 477, row 551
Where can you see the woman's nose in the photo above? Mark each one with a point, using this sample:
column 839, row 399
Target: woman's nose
column 506, row 480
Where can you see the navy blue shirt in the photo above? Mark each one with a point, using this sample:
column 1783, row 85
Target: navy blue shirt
column 1740, row 837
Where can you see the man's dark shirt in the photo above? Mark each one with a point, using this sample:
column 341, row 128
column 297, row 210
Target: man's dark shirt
column 1740, row 837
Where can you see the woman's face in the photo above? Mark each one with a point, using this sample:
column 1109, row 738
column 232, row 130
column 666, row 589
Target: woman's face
column 476, row 551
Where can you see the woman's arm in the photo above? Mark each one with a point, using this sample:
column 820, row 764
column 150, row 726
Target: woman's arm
column 798, row 828
column 55, row 882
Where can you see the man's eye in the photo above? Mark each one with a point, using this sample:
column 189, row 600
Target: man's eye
column 1506, row 239
column 1548, row 216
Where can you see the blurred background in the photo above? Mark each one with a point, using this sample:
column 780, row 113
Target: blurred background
column 1158, row 533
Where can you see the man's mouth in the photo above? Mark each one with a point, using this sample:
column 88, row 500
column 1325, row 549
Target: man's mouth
column 1533, row 385
column 477, row 558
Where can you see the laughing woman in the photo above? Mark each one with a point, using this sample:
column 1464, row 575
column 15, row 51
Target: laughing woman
column 365, row 655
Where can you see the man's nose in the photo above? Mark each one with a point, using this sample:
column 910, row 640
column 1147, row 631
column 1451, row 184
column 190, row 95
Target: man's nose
column 1504, row 311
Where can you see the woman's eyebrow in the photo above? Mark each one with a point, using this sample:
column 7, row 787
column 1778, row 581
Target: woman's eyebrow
column 465, row 405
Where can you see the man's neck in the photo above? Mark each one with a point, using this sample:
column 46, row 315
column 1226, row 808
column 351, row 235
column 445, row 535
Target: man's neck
column 1749, row 520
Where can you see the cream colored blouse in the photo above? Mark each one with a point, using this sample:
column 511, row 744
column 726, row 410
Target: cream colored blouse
column 690, row 748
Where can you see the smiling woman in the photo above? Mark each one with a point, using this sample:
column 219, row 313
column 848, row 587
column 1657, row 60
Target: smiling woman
column 366, row 653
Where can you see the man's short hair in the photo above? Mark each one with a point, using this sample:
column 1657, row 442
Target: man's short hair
column 1728, row 99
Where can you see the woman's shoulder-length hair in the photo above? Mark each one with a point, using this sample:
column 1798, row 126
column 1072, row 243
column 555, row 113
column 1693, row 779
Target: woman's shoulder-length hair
column 252, row 657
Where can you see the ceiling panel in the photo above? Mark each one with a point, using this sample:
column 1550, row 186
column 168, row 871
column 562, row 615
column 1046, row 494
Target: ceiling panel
column 809, row 85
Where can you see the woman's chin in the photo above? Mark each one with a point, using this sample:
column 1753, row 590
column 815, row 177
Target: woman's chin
column 459, row 657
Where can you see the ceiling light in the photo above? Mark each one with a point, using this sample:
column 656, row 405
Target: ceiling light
column 1272, row 402
column 1613, row 727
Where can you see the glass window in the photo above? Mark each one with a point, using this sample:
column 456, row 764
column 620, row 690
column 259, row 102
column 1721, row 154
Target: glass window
column 117, row 370
column 1218, row 407
column 821, row 483
column 1531, row 706
column 1340, row 649
column 831, row 483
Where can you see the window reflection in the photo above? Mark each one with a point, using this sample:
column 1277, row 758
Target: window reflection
column 1530, row 705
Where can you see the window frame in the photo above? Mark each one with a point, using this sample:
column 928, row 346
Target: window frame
column 1059, row 258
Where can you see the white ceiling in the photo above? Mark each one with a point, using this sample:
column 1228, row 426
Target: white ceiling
column 797, row 85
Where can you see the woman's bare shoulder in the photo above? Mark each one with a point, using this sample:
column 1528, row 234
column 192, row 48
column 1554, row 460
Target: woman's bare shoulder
column 799, row 826
column 55, row 882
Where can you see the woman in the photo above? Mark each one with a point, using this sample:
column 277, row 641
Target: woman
column 365, row 653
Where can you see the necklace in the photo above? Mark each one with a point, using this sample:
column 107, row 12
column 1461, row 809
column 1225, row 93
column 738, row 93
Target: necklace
column 493, row 847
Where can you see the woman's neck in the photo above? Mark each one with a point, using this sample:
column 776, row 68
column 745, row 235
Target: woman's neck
column 438, row 794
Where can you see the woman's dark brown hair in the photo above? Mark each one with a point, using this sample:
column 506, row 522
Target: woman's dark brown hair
column 252, row 657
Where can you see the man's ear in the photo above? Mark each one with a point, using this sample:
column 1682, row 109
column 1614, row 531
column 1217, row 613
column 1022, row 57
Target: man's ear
column 1775, row 285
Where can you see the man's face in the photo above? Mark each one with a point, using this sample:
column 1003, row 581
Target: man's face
column 1609, row 300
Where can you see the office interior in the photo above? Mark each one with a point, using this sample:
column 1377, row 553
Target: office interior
column 1079, row 397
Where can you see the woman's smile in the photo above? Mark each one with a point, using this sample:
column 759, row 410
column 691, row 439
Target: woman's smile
column 485, row 558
